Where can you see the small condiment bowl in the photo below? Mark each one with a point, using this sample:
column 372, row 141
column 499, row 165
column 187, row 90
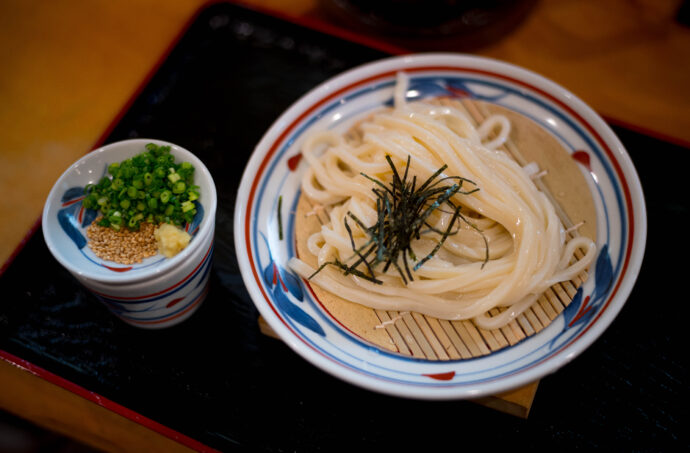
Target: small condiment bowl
column 157, row 292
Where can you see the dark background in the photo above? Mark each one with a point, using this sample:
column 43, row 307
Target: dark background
column 217, row 379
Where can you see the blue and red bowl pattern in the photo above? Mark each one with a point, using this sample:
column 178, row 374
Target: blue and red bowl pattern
column 167, row 305
column 290, row 299
column 156, row 309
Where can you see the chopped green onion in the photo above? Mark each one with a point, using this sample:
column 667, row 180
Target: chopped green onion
column 115, row 218
column 280, row 218
column 147, row 187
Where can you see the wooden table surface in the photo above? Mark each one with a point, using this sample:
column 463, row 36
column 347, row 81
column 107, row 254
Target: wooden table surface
column 69, row 67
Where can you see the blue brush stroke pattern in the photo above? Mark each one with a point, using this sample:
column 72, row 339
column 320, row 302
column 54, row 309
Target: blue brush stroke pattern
column 268, row 274
column 71, row 194
column 292, row 283
column 89, row 216
column 198, row 217
column 69, row 215
column 603, row 278
column 280, row 297
column 293, row 311
column 573, row 307
column 603, row 273
column 68, row 221
column 430, row 88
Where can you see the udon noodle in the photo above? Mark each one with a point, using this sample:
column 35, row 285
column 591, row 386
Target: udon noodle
column 511, row 247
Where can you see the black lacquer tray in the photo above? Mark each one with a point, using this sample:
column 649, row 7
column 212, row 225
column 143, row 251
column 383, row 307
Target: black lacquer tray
column 217, row 381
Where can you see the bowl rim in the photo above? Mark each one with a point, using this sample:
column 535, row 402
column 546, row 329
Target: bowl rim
column 167, row 265
column 331, row 89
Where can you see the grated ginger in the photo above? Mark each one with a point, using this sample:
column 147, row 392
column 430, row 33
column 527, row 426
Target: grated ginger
column 171, row 240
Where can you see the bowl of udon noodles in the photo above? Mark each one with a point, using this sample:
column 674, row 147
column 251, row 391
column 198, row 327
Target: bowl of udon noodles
column 439, row 226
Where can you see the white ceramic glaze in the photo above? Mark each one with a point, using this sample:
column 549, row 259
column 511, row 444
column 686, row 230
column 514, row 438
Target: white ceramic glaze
column 274, row 171
column 159, row 292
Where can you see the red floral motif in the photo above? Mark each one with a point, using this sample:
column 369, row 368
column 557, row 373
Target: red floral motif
column 174, row 302
column 293, row 162
column 118, row 269
column 583, row 158
column 581, row 312
column 441, row 376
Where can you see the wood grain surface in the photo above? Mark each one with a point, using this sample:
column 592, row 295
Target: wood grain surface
column 62, row 411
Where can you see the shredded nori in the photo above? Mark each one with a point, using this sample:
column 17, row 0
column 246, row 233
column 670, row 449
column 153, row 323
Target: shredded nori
column 402, row 213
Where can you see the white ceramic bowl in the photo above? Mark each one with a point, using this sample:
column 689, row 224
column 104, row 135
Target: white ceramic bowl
column 158, row 292
column 291, row 310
